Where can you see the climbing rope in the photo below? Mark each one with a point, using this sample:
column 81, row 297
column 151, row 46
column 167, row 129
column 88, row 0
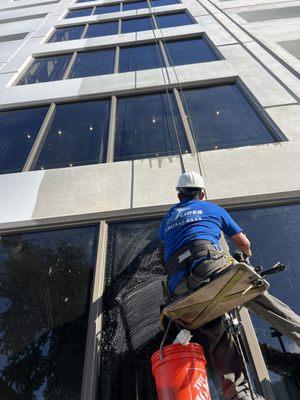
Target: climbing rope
column 178, row 84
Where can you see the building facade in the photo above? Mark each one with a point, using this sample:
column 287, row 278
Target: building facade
column 102, row 105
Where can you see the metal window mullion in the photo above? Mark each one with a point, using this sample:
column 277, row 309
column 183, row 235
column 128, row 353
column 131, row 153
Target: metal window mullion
column 93, row 341
column 117, row 59
column 84, row 31
column 112, row 130
column 121, row 6
column 187, row 129
column 94, row 10
column 70, row 66
column 256, row 354
column 119, row 26
column 40, row 139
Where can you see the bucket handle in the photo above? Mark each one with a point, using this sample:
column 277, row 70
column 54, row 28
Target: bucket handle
column 164, row 339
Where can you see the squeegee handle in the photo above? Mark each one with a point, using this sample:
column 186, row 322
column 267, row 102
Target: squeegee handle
column 277, row 268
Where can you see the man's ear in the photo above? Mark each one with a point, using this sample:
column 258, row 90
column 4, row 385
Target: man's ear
column 202, row 194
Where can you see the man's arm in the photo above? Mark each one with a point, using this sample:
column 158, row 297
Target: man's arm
column 242, row 243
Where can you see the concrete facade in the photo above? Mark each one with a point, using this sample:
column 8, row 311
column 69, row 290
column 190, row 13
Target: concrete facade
column 248, row 56
column 252, row 56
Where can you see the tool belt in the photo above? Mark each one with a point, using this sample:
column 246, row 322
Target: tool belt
column 186, row 255
column 200, row 253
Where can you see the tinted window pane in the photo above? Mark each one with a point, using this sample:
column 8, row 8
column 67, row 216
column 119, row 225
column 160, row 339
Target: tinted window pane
column 107, row 9
column 189, row 51
column 274, row 234
column 131, row 307
column 18, row 130
column 83, row 1
column 77, row 135
column 45, row 294
column 136, row 25
column 158, row 3
column 134, row 5
column 109, row 28
column 92, row 63
column 70, row 33
column 223, row 118
column 145, row 128
column 45, row 69
column 140, row 57
column 79, row 13
column 176, row 19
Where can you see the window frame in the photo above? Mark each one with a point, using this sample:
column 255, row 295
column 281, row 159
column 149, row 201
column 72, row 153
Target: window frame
column 274, row 130
column 91, row 368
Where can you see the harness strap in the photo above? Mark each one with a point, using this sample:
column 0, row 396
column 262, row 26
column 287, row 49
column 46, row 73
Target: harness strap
column 186, row 255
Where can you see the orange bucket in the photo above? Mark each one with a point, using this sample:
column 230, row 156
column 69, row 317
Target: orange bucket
column 181, row 373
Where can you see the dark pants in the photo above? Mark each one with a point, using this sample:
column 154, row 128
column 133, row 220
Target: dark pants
column 222, row 349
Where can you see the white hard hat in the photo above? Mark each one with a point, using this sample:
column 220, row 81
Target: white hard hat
column 190, row 179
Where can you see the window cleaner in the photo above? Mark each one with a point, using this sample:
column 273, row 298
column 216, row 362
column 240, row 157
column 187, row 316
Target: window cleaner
column 204, row 282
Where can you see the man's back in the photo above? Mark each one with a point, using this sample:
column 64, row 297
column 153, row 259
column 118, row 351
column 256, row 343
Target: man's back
column 192, row 220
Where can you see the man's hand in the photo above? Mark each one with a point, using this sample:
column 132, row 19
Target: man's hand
column 242, row 243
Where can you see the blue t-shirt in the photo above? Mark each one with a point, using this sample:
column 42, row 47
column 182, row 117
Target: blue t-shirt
column 193, row 220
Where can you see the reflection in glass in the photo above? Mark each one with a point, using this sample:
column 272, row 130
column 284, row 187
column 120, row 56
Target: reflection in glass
column 140, row 57
column 91, row 63
column 82, row 12
column 104, row 29
column 136, row 25
column 274, row 233
column 45, row 69
column 134, row 5
column 107, row 9
column 131, row 304
column 70, row 33
column 144, row 127
column 45, row 294
column 174, row 19
column 189, row 51
column 18, row 130
column 77, row 135
column 223, row 118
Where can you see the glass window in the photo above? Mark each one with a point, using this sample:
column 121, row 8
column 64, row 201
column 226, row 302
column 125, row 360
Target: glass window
column 45, row 295
column 82, row 12
column 107, row 9
column 90, row 63
column 136, row 25
column 189, row 51
column 18, row 130
column 144, row 127
column 223, row 118
column 45, row 69
column 158, row 3
column 77, row 135
column 140, row 57
column 134, row 5
column 105, row 29
column 70, row 33
column 83, row 1
column 174, row 19
column 131, row 307
column 274, row 234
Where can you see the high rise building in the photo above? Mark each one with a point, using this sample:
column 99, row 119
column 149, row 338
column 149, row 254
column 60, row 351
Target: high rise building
column 102, row 105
